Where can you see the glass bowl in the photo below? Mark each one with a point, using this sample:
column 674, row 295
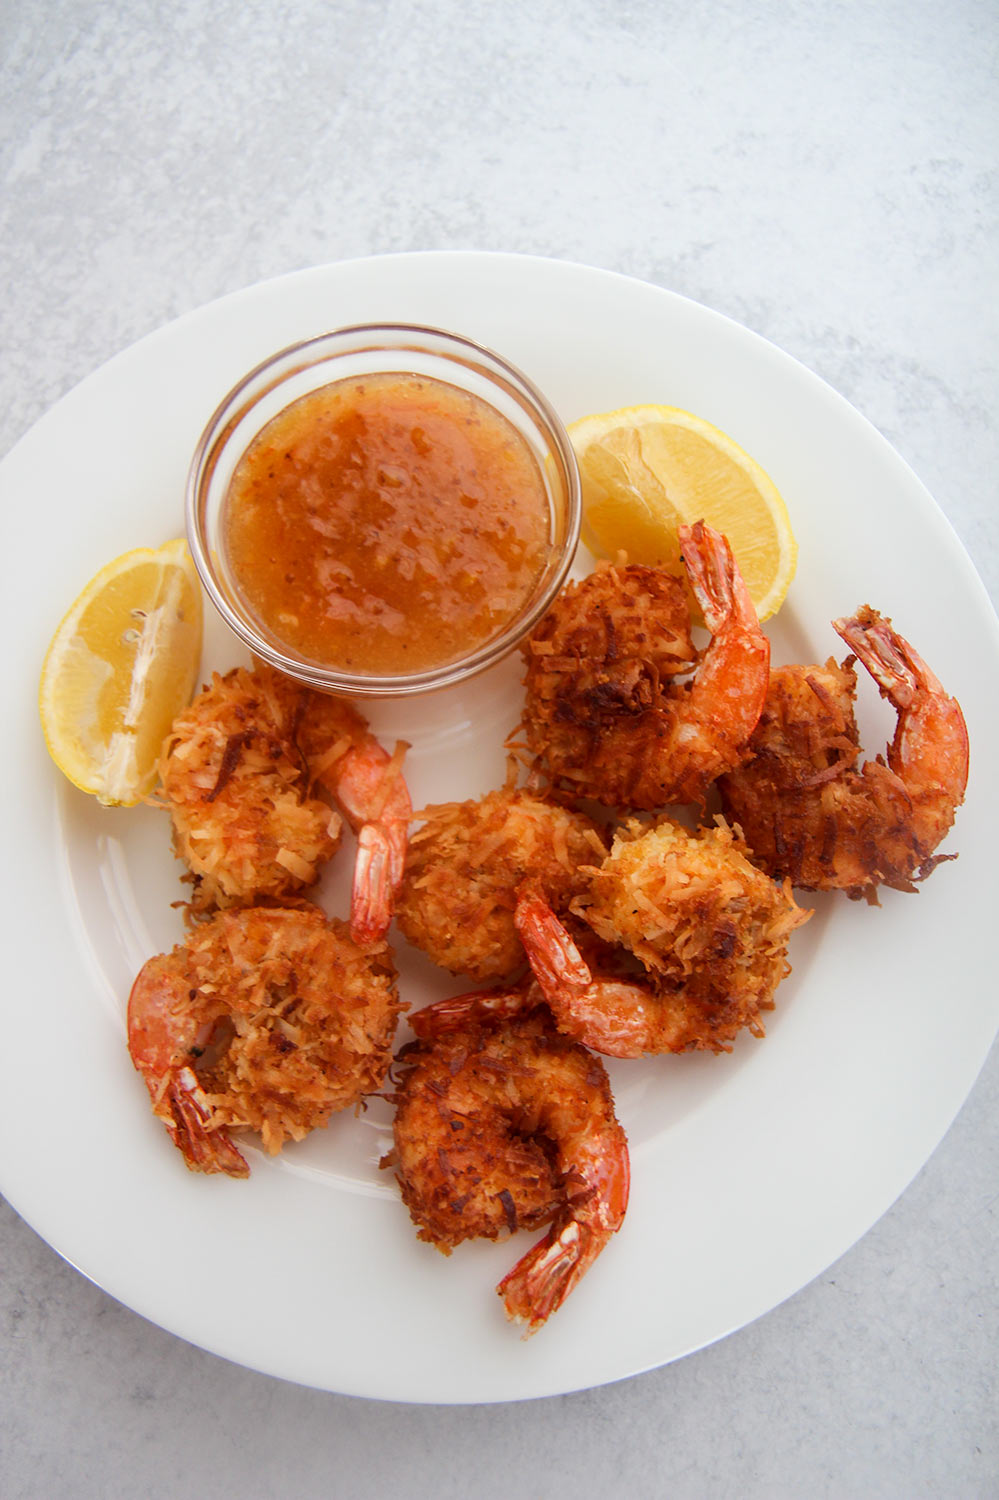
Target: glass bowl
column 415, row 354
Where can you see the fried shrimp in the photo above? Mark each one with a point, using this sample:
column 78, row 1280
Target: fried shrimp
column 503, row 1124
column 706, row 931
column 265, row 1019
column 239, row 773
column 465, row 865
column 602, row 714
column 810, row 813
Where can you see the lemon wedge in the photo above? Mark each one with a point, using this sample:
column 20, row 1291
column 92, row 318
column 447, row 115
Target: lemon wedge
column 121, row 666
column 647, row 470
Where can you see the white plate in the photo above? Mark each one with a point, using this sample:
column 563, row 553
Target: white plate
column 751, row 1172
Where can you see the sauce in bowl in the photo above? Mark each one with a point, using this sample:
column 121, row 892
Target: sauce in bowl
column 383, row 509
column 386, row 523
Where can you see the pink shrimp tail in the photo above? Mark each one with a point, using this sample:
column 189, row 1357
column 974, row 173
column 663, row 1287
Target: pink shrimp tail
column 731, row 682
column 472, row 1008
column 542, row 1279
column 718, row 585
column 606, row 1014
column 368, row 785
column 203, row 1150
column 932, row 738
column 896, row 667
column 377, row 875
column 553, row 956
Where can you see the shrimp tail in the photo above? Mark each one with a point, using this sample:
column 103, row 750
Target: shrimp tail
column 729, row 688
column 717, row 583
column 368, row 785
column 896, row 667
column 608, row 1015
column 554, row 957
column 542, row 1279
column 187, row 1115
column 376, row 880
column 930, row 748
column 473, row 1008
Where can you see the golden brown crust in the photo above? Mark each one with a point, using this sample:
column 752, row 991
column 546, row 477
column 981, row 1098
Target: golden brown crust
column 599, row 706
column 283, row 1018
column 488, row 1117
column 809, row 813
column 708, row 928
column 237, row 774
column 464, row 868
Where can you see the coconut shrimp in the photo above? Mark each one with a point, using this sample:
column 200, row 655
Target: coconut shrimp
column 602, row 714
column 265, row 1019
column 465, row 865
column 239, row 773
column 706, row 933
column 810, row 813
column 502, row 1124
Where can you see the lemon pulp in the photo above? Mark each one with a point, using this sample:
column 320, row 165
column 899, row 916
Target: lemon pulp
column 647, row 470
column 120, row 667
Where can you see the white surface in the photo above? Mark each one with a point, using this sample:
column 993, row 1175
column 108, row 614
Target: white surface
column 791, row 1200
column 824, row 179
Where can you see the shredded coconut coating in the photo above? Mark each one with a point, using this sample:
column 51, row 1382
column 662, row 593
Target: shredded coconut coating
column 238, row 772
column 599, row 702
column 283, row 1018
column 464, row 868
column 708, row 928
column 492, row 1124
column 813, row 812
column 601, row 712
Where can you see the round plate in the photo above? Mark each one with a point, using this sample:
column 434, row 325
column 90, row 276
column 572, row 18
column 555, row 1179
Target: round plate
column 752, row 1171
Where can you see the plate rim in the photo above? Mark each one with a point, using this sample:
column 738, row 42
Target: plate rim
column 245, row 296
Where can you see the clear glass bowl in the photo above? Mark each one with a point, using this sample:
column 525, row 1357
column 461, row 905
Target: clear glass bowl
column 366, row 350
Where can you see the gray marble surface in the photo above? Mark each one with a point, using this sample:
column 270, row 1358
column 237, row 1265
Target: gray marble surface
column 825, row 175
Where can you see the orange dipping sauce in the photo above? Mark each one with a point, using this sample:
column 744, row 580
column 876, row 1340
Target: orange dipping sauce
column 386, row 524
